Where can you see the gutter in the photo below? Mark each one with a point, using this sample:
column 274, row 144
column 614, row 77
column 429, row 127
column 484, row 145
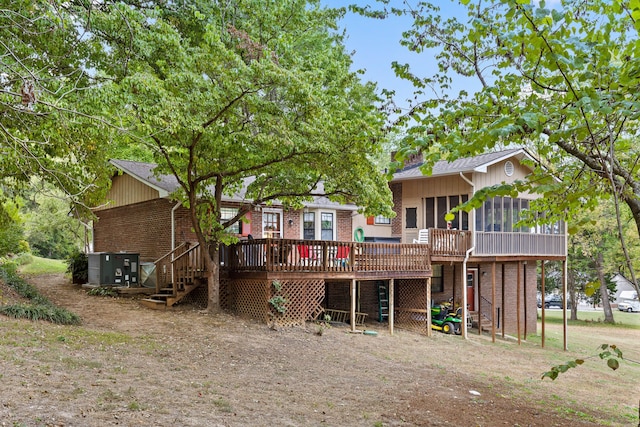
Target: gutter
column 465, row 314
column 173, row 236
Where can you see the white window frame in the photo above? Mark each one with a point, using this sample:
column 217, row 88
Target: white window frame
column 270, row 233
column 381, row 220
column 318, row 222
column 231, row 212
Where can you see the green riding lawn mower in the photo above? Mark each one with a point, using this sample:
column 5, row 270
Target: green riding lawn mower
column 443, row 319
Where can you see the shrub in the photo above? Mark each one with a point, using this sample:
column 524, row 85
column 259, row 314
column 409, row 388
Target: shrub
column 40, row 308
column 49, row 313
column 103, row 291
column 78, row 266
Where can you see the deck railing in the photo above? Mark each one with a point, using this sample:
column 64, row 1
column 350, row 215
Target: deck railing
column 449, row 242
column 505, row 243
column 327, row 256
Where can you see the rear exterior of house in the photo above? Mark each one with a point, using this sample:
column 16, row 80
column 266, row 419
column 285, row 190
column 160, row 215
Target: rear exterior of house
column 481, row 259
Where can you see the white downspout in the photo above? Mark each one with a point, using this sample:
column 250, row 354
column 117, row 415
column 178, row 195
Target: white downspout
column 173, row 236
column 464, row 292
column 466, row 258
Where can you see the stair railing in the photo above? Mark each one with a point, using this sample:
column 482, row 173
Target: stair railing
column 164, row 266
column 483, row 313
column 188, row 266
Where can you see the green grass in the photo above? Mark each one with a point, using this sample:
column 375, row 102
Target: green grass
column 43, row 266
column 621, row 318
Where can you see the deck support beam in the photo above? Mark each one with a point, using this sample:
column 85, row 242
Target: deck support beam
column 391, row 305
column 353, row 305
column 429, row 331
column 493, row 301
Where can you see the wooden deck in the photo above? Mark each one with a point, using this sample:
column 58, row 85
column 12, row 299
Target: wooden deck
column 183, row 270
column 326, row 259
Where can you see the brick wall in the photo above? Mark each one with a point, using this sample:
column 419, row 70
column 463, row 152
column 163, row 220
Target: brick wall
column 396, row 223
column 144, row 228
column 345, row 227
column 508, row 316
column 528, row 292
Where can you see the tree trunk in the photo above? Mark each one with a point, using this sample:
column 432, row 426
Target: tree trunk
column 213, row 279
column 604, row 294
column 571, row 288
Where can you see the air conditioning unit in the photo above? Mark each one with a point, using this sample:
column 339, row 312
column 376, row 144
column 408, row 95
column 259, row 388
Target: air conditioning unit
column 113, row 269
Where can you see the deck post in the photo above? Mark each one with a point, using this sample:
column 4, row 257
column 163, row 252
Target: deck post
column 353, row 305
column 519, row 266
column 493, row 301
column 504, row 310
column 429, row 331
column 391, row 305
column 479, row 308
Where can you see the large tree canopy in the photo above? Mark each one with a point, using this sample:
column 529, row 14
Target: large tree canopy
column 561, row 80
column 234, row 93
column 45, row 59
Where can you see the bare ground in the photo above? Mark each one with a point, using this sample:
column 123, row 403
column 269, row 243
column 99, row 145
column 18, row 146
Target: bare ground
column 131, row 366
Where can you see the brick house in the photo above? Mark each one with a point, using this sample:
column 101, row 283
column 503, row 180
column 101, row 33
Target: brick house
column 481, row 260
column 140, row 216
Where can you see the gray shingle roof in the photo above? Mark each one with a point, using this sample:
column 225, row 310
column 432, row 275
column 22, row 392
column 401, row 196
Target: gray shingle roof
column 167, row 184
column 478, row 163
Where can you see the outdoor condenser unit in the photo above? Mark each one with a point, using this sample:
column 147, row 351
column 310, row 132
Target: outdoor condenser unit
column 114, row 269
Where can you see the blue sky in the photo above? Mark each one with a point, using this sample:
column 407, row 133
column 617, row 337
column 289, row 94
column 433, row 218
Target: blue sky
column 376, row 43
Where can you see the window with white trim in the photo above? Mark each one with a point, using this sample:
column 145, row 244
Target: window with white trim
column 309, row 225
column 319, row 224
column 382, row 220
column 272, row 223
column 326, row 226
column 227, row 214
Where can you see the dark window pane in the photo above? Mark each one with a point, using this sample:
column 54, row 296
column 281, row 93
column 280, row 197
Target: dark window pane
column 429, row 213
column 442, row 211
column 309, row 226
column 464, row 216
column 326, row 226
column 453, row 202
column 411, row 217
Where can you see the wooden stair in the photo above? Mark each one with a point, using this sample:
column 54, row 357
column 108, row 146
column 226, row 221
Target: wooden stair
column 485, row 324
column 167, row 297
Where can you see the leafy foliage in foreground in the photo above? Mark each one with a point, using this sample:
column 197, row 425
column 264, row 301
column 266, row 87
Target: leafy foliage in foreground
column 49, row 313
column 39, row 309
column 609, row 352
column 103, row 291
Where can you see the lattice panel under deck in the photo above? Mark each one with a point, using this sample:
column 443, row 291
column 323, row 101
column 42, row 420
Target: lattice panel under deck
column 303, row 301
column 251, row 298
column 411, row 305
column 198, row 298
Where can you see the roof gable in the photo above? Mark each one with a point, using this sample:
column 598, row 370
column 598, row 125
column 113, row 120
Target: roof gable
column 479, row 163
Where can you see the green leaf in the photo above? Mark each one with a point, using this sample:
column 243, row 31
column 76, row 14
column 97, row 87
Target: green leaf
column 613, row 364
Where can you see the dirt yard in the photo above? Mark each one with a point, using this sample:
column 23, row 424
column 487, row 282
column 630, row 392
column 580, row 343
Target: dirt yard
column 131, row 366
